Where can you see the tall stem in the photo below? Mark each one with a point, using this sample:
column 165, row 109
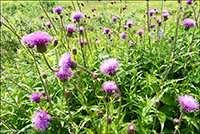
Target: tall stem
column 148, row 22
column 180, row 118
column 161, row 46
column 193, row 71
column 48, row 63
column 155, row 118
column 70, row 115
column 120, row 103
column 107, row 121
column 16, row 83
column 15, row 106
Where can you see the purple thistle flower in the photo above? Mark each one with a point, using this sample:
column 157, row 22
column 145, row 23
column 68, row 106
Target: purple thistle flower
column 156, row 12
column 100, row 27
column 151, row 12
column 139, row 32
column 154, row 41
column 70, row 27
column 97, row 43
column 35, row 97
column 106, row 30
column 125, row 27
column 165, row 15
column 181, row 7
column 155, row 9
column 159, row 21
column 188, row 2
column 108, row 66
column 100, row 113
column 63, row 75
column 124, row 8
column 116, row 96
column 38, row 38
column 188, row 23
column 129, row 23
column 81, row 29
column 57, row 9
column 41, row 16
column 109, row 87
column 164, row 11
column 40, row 119
column 152, row 25
column 43, row 92
column 188, row 103
column 130, row 129
column 114, row 18
column 48, row 24
column 108, row 120
column 81, row 43
column 123, row 35
column 69, row 6
column 65, row 62
column 77, row 15
column 176, row 120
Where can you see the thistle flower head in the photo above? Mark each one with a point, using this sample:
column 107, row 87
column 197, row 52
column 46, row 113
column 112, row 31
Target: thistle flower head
column 130, row 128
column 139, row 32
column 125, row 27
column 65, row 62
column 188, row 103
column 129, row 23
column 109, row 87
column 106, row 30
column 77, row 15
column 123, row 35
column 165, row 15
column 159, row 21
column 40, row 119
column 48, row 24
column 81, row 43
column 108, row 66
column 114, row 18
column 57, row 9
column 152, row 25
column 35, row 97
column 36, row 38
column 151, row 12
column 164, row 11
column 188, row 2
column 70, row 27
column 188, row 23
column 176, row 120
column 63, row 75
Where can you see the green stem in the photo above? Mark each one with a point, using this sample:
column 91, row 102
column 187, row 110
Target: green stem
column 48, row 63
column 180, row 118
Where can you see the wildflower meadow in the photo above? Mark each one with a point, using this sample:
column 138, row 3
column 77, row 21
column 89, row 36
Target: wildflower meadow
column 100, row 67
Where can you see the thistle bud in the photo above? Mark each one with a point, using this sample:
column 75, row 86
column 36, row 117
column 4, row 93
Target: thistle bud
column 131, row 129
column 100, row 114
column 108, row 120
column 44, row 75
column 55, row 42
column 67, row 94
column 157, row 102
column 73, row 65
column 116, row 96
column 74, row 51
column 41, row 48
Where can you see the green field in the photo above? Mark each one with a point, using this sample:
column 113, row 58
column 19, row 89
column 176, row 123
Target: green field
column 147, row 71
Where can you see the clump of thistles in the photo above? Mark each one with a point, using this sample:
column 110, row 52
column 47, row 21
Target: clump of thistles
column 188, row 23
column 109, row 87
column 108, row 66
column 40, row 119
column 188, row 103
column 57, row 9
column 35, row 97
column 77, row 15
